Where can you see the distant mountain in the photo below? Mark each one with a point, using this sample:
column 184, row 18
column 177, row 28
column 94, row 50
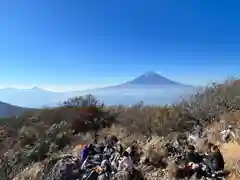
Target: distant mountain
column 34, row 97
column 8, row 110
column 149, row 87
column 152, row 78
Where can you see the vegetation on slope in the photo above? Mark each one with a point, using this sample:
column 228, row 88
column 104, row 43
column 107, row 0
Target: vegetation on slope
column 39, row 136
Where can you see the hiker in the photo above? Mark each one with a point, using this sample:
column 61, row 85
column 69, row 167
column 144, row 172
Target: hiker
column 111, row 140
column 192, row 138
column 105, row 140
column 106, row 166
column 192, row 156
column 127, row 164
column 214, row 161
column 119, row 147
column 115, row 158
column 198, row 130
column 110, row 144
column 108, row 149
column 100, row 147
column 134, row 152
column 193, row 162
column 95, row 138
column 85, row 153
column 227, row 133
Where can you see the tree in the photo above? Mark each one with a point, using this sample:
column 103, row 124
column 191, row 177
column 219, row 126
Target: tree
column 83, row 101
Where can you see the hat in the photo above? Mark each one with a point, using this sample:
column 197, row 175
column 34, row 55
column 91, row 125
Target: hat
column 129, row 150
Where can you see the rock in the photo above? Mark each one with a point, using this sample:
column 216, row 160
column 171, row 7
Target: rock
column 65, row 168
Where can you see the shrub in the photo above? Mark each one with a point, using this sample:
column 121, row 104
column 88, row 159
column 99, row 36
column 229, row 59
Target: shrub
column 27, row 136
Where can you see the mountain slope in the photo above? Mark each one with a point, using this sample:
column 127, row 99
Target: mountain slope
column 151, row 78
column 8, row 110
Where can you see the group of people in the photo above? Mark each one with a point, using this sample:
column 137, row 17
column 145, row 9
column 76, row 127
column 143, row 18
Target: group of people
column 110, row 157
column 212, row 159
column 226, row 134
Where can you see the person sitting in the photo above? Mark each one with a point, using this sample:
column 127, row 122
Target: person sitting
column 215, row 160
column 227, row 133
column 193, row 160
column 99, row 148
column 127, row 164
column 192, row 156
column 111, row 140
column 134, row 152
column 108, row 149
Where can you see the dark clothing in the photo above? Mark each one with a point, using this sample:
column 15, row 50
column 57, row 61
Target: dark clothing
column 193, row 157
column 134, row 154
column 95, row 138
column 100, row 148
column 92, row 150
column 120, row 148
column 131, row 174
column 216, row 160
column 209, row 165
column 114, row 138
column 106, row 165
column 109, row 143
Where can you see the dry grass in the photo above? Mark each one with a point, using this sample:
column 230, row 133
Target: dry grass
column 31, row 172
column 155, row 149
column 231, row 153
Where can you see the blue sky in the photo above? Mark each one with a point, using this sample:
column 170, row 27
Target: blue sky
column 86, row 43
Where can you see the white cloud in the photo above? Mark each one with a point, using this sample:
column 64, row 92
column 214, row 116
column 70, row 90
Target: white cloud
column 61, row 88
column 55, row 88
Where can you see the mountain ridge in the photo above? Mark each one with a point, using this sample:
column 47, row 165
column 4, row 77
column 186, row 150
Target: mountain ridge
column 8, row 110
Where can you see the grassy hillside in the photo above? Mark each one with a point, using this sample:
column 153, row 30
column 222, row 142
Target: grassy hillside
column 40, row 136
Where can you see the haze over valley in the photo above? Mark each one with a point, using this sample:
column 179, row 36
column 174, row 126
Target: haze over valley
column 149, row 87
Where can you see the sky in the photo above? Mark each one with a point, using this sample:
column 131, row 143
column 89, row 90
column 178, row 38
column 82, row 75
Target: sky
column 81, row 44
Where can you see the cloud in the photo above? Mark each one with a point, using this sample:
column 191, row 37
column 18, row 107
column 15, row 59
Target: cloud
column 61, row 88
column 55, row 88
